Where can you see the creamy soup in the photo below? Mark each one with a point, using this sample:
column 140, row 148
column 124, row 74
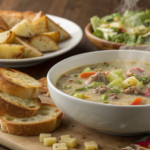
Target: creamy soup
column 118, row 83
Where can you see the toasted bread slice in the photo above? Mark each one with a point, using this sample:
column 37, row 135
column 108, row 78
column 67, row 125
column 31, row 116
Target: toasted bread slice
column 3, row 25
column 14, row 17
column 64, row 35
column 18, row 107
column 40, row 25
column 24, row 29
column 11, row 51
column 43, row 43
column 45, row 120
column 29, row 50
column 18, row 84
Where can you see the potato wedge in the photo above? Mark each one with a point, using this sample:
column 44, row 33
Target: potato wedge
column 64, row 35
column 24, row 29
column 40, row 25
column 43, row 43
column 29, row 50
column 11, row 51
column 6, row 37
column 55, row 35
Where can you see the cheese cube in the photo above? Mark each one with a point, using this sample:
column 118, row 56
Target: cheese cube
column 91, row 145
column 49, row 141
column 65, row 136
column 60, row 146
column 44, row 135
column 70, row 142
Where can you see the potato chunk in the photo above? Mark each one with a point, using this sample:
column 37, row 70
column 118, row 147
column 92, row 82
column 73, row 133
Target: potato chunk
column 60, row 146
column 65, row 136
column 24, row 29
column 91, row 145
column 55, row 35
column 70, row 142
column 6, row 37
column 44, row 135
column 43, row 43
column 40, row 25
column 49, row 141
column 11, row 51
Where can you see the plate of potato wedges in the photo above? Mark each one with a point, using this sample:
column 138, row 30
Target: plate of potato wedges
column 28, row 38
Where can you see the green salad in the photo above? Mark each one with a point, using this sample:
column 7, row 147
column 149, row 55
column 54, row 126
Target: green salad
column 131, row 28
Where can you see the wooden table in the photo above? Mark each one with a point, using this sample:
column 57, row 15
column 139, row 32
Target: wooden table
column 80, row 12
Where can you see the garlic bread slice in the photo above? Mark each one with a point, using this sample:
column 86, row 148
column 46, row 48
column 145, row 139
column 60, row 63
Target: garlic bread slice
column 11, row 51
column 43, row 43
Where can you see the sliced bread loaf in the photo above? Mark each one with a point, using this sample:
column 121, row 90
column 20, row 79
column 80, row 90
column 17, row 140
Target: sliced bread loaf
column 18, row 84
column 45, row 120
column 18, row 107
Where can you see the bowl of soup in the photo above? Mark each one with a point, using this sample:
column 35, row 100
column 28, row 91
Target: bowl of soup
column 105, row 90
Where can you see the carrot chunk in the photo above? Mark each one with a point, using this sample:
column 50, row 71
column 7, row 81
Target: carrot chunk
column 137, row 101
column 107, row 73
column 86, row 74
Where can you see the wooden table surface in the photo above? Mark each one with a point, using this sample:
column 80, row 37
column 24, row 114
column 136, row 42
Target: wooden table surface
column 78, row 11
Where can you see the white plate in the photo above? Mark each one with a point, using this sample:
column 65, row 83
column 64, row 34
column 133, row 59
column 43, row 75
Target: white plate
column 76, row 35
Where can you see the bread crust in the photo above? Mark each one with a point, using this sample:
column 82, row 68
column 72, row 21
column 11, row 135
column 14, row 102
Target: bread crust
column 33, row 129
column 8, row 86
column 16, row 110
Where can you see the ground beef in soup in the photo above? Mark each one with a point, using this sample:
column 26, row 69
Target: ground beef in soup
column 132, row 90
column 100, row 89
column 99, row 76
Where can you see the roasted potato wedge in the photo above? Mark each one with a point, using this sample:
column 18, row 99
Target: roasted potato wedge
column 40, row 25
column 11, row 51
column 43, row 43
column 6, row 37
column 55, row 35
column 24, row 29
column 29, row 50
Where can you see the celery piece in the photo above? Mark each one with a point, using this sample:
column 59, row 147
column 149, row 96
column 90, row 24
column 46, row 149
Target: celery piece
column 114, row 91
column 131, row 81
column 98, row 83
column 87, row 69
column 112, row 76
column 117, row 83
column 78, row 81
column 79, row 95
column 118, row 72
column 72, row 93
column 103, row 98
column 80, row 89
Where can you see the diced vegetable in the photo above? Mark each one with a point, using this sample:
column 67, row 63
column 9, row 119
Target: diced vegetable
column 143, row 78
column 86, row 74
column 104, row 97
column 117, row 83
column 98, row 83
column 107, row 73
column 137, row 101
column 87, row 69
column 90, row 86
column 114, row 91
column 147, row 92
column 80, row 89
column 72, row 93
column 76, row 75
column 112, row 76
column 99, row 34
column 118, row 72
column 78, row 81
column 80, row 95
column 131, row 81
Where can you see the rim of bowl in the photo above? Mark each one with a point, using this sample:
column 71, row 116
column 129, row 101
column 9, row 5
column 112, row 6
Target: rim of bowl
column 88, row 32
column 85, row 101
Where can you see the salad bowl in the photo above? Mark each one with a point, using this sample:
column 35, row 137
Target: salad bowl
column 108, row 118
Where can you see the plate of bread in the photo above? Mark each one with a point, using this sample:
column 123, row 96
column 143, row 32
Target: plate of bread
column 28, row 38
